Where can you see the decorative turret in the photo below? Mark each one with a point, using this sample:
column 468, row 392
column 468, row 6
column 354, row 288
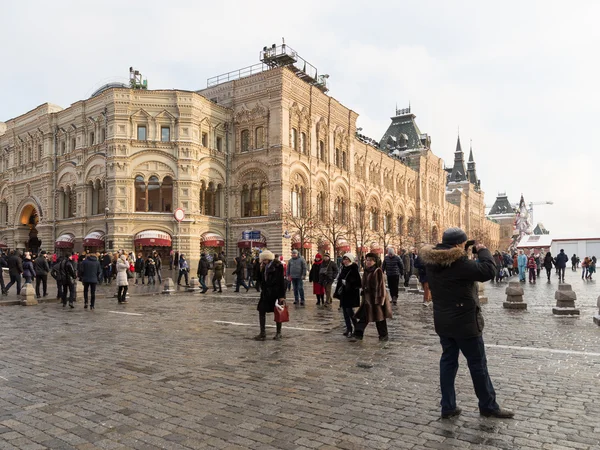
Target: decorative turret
column 459, row 173
column 471, row 173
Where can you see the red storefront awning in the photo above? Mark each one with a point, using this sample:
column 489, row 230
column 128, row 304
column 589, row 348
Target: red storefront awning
column 65, row 241
column 3, row 244
column 342, row 246
column 212, row 240
column 94, row 239
column 152, row 238
column 296, row 243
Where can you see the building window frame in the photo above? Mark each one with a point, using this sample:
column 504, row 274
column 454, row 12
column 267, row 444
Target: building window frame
column 165, row 133
column 142, row 133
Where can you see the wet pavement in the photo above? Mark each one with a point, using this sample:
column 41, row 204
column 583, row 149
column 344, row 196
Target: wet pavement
column 182, row 371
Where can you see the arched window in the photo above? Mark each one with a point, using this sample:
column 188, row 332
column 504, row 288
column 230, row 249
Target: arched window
column 166, row 194
column 337, row 160
column 4, row 213
column 294, row 139
column 264, row 199
column 321, row 206
column 245, row 140
column 298, row 201
column 400, row 225
column 322, row 151
column 140, row 193
column 345, row 160
column 153, row 194
column 96, row 196
column 411, row 226
column 63, row 148
column 245, row 201
column 210, row 199
column 343, row 209
column 303, row 143
column 255, row 200
column 259, row 137
column 374, row 219
column 387, row 222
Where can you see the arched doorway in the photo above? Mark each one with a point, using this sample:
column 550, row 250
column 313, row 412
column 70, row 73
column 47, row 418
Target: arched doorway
column 29, row 218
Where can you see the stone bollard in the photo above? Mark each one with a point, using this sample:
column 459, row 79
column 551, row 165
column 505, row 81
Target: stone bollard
column 169, row 286
column 480, row 292
column 514, row 296
column 413, row 285
column 597, row 316
column 194, row 285
column 28, row 295
column 78, row 291
column 565, row 301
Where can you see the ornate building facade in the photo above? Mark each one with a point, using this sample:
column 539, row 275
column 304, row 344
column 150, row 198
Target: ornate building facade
column 242, row 158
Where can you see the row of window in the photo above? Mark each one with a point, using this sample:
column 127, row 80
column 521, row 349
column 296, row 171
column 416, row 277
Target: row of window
column 255, row 200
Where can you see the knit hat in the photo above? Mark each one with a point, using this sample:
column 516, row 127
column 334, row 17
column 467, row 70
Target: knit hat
column 453, row 236
column 294, row 252
column 318, row 256
column 266, row 254
column 326, row 254
column 350, row 256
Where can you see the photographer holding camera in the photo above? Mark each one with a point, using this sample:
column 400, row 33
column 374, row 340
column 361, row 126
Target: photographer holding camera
column 457, row 317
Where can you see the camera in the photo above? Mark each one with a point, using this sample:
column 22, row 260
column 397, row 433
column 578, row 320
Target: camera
column 472, row 244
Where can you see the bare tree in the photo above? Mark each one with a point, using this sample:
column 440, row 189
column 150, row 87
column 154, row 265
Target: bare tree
column 482, row 236
column 302, row 224
column 386, row 232
column 414, row 232
column 359, row 229
column 331, row 229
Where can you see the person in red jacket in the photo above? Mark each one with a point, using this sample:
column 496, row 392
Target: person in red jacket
column 532, row 268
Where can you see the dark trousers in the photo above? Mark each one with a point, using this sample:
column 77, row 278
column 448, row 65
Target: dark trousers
column 240, row 282
column 393, row 281
column 406, row 278
column 474, row 351
column 14, row 279
column 1, row 279
column 43, row 279
column 561, row 273
column 92, row 288
column 107, row 275
column 298, row 285
column 71, row 288
column 532, row 274
column 159, row 275
column 361, row 325
column 349, row 318
column 262, row 319
column 122, row 293
column 183, row 273
column 201, row 279
column 548, row 272
column 216, row 281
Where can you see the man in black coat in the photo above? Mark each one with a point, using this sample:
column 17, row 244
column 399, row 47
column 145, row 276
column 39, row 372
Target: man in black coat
column 106, row 266
column 3, row 263
column 452, row 278
column 41, row 267
column 15, row 269
column 271, row 283
column 393, row 269
column 561, row 264
column 202, row 272
column 65, row 278
column 91, row 274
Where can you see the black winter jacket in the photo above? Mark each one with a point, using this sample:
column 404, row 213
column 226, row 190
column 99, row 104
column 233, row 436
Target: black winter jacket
column 561, row 260
column 452, row 279
column 202, row 266
column 65, row 271
column 351, row 295
column 41, row 266
column 392, row 266
column 548, row 261
column 271, row 283
column 15, row 265
column 90, row 270
column 140, row 265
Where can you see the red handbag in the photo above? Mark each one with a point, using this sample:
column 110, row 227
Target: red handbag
column 282, row 314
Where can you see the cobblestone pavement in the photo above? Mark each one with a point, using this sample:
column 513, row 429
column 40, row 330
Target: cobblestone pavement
column 183, row 372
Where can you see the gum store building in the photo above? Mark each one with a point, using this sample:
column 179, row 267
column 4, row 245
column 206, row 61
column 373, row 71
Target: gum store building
column 256, row 146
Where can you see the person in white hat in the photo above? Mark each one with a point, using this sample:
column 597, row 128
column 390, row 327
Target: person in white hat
column 272, row 289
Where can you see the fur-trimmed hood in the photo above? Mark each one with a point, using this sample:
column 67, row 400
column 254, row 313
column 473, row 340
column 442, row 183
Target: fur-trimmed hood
column 441, row 256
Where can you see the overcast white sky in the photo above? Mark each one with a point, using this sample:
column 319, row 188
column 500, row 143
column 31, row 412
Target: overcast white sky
column 518, row 77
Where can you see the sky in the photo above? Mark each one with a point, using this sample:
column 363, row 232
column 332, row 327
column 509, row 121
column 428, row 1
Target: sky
column 517, row 78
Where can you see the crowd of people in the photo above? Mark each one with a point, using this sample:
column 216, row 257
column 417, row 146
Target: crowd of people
column 529, row 265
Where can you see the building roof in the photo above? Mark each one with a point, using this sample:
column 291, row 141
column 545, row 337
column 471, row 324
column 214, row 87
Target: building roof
column 536, row 241
column 403, row 133
column 540, row 229
column 472, row 173
column 501, row 206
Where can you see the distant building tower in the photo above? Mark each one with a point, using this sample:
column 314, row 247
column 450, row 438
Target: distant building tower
column 504, row 214
column 471, row 173
column 459, row 173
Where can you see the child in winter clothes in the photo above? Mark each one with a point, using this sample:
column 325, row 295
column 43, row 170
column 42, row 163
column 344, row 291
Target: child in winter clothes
column 532, row 267
column 151, row 271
